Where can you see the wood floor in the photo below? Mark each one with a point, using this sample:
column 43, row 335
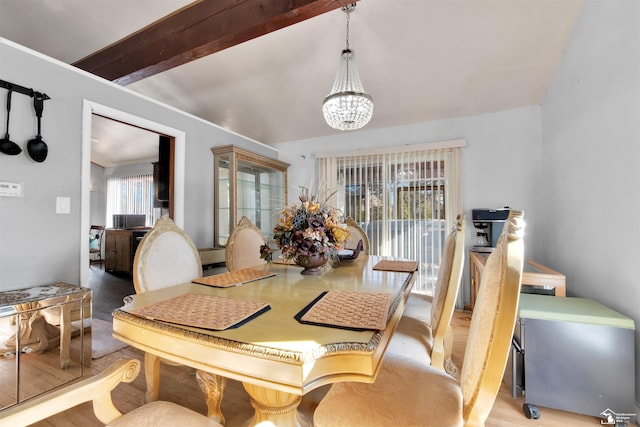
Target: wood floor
column 180, row 386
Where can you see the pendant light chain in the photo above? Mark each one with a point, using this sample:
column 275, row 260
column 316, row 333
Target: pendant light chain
column 348, row 12
column 348, row 16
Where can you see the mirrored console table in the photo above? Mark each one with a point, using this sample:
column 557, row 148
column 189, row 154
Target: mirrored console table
column 43, row 343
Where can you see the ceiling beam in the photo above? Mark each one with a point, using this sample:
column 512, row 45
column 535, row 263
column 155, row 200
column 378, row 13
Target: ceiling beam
column 197, row 30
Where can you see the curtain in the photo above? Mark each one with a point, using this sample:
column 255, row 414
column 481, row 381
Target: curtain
column 406, row 201
column 131, row 195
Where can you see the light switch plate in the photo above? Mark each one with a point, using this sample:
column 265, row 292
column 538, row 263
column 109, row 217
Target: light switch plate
column 10, row 189
column 63, row 205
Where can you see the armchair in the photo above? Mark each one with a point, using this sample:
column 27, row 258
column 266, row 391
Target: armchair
column 97, row 390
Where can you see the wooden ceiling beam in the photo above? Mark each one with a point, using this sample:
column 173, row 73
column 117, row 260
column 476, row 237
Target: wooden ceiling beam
column 195, row 31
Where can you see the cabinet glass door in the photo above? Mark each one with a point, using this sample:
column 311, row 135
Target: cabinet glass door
column 223, row 201
column 248, row 185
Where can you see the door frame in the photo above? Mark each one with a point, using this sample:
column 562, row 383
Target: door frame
column 89, row 108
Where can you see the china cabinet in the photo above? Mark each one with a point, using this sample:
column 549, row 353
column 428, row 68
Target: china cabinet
column 246, row 184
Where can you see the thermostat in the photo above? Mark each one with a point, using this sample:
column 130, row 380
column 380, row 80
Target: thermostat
column 10, row 189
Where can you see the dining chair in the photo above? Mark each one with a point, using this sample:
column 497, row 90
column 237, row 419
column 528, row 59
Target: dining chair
column 356, row 234
column 165, row 257
column 424, row 331
column 410, row 393
column 243, row 246
column 97, row 389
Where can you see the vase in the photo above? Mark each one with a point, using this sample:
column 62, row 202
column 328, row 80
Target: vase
column 311, row 263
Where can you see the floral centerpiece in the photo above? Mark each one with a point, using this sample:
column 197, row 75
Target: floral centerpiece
column 311, row 232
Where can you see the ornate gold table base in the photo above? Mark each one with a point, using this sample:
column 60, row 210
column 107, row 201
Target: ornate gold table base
column 277, row 407
column 272, row 406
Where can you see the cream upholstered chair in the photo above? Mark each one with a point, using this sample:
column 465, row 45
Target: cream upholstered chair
column 243, row 246
column 165, row 257
column 433, row 340
column 356, row 234
column 408, row 393
column 97, row 389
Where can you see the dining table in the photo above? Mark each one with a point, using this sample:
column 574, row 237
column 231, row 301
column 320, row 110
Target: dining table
column 287, row 346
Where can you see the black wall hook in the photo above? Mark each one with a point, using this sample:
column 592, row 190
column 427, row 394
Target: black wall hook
column 23, row 90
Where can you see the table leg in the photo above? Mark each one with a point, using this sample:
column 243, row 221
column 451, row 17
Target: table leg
column 152, row 376
column 212, row 387
column 65, row 335
column 275, row 407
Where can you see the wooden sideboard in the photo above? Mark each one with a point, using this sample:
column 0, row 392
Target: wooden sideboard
column 536, row 278
column 118, row 250
column 120, row 247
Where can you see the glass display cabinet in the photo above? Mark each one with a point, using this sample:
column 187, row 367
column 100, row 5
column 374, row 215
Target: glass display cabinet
column 246, row 184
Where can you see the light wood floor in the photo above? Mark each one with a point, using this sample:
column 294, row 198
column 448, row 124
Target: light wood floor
column 180, row 386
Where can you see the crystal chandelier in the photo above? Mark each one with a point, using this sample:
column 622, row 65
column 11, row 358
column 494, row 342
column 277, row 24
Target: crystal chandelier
column 348, row 106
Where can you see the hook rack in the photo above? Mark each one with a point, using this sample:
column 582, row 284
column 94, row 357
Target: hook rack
column 23, row 90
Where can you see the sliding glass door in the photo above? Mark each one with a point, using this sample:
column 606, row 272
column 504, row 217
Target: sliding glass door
column 405, row 202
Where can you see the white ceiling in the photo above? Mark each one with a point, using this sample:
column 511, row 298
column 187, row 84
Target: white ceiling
column 116, row 144
column 421, row 60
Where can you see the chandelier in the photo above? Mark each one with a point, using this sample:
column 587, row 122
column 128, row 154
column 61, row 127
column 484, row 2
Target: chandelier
column 348, row 106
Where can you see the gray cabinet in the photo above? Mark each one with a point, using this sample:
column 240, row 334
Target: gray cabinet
column 575, row 355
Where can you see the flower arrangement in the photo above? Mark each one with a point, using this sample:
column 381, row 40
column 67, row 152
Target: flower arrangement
column 310, row 228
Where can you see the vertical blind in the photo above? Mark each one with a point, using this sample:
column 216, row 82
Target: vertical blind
column 131, row 195
column 405, row 201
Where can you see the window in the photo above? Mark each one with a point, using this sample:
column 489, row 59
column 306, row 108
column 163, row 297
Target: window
column 131, row 195
column 406, row 202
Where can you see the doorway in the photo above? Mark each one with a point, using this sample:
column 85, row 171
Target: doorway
column 90, row 111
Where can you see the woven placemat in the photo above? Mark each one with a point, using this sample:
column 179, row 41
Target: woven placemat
column 347, row 310
column 393, row 265
column 283, row 261
column 203, row 311
column 233, row 278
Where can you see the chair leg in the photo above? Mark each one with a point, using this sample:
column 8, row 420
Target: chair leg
column 152, row 376
column 449, row 366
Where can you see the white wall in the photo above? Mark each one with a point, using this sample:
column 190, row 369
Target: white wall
column 98, row 198
column 500, row 165
column 38, row 246
column 591, row 169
